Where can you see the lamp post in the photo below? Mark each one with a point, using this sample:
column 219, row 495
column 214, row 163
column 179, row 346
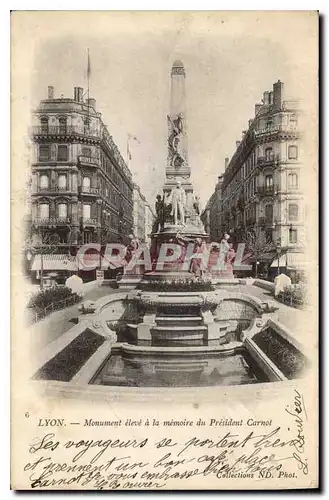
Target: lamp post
column 278, row 246
column 278, row 257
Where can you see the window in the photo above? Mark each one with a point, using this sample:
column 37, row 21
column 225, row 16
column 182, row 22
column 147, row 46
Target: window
column 293, row 122
column 62, row 210
column 86, row 184
column 269, row 213
column 293, row 211
column 292, row 181
column 44, row 181
column 87, row 237
column 292, row 152
column 292, row 235
column 62, row 153
column 44, row 210
column 269, row 124
column 44, row 125
column 44, row 153
column 269, row 182
column 86, row 209
column 86, row 124
column 268, row 154
column 86, row 152
column 62, row 125
column 62, row 182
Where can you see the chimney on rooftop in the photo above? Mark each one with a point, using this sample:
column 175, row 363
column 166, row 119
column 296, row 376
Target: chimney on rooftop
column 78, row 94
column 50, row 92
column 237, row 144
column 266, row 98
column 250, row 122
column 227, row 161
column 278, row 94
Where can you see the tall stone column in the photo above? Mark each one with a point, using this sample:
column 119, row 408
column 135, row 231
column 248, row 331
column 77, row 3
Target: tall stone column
column 177, row 157
column 178, row 171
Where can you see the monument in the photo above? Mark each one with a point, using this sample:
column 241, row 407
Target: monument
column 180, row 212
column 176, row 328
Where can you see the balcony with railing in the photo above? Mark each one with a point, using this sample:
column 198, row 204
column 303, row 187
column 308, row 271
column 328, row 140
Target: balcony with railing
column 87, row 190
column 264, row 161
column 87, row 221
column 62, row 131
column 54, row 189
column 266, row 191
column 51, row 221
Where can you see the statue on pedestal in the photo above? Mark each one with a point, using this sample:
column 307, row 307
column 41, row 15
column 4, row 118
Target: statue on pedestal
column 131, row 248
column 196, row 205
column 160, row 215
column 177, row 198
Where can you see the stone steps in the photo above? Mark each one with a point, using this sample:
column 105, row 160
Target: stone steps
column 179, row 321
column 180, row 328
column 178, row 318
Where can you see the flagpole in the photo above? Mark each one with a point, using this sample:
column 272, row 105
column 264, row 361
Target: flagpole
column 128, row 151
column 88, row 78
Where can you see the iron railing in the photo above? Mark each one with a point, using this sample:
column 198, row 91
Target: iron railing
column 60, row 130
column 266, row 191
column 38, row 313
column 263, row 161
column 54, row 189
column 47, row 221
column 89, row 190
column 89, row 222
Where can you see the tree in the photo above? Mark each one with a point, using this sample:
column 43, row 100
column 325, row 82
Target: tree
column 258, row 246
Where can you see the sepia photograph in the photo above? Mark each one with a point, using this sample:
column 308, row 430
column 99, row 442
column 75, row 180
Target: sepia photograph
column 164, row 241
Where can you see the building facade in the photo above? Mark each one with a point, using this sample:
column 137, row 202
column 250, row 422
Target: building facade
column 212, row 215
column 149, row 221
column 262, row 188
column 81, row 188
column 143, row 216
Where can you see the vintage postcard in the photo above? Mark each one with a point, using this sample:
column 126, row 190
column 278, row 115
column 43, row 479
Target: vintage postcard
column 164, row 199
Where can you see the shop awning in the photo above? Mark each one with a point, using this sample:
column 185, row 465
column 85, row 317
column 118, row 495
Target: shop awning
column 54, row 262
column 250, row 258
column 290, row 260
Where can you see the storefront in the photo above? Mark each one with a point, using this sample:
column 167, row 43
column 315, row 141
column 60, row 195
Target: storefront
column 290, row 263
column 59, row 267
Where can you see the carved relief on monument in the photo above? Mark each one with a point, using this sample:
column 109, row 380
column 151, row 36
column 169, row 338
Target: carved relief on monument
column 176, row 153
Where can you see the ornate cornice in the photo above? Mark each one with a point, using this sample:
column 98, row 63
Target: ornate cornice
column 176, row 70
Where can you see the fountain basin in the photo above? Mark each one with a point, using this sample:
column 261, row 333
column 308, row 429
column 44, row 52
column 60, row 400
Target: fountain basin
column 170, row 366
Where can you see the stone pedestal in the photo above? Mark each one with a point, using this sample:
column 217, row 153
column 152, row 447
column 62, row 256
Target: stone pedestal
column 144, row 336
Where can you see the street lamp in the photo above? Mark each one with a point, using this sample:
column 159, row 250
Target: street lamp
column 278, row 253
